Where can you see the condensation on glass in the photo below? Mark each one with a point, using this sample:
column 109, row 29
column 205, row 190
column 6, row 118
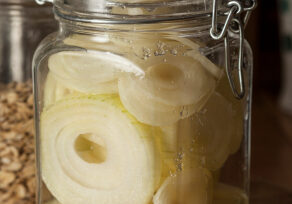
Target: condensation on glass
column 134, row 106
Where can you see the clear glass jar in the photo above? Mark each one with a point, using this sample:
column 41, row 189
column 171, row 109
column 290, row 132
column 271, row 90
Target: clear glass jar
column 133, row 106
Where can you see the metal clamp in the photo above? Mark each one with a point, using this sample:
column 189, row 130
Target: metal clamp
column 233, row 18
column 248, row 12
column 238, row 94
column 235, row 8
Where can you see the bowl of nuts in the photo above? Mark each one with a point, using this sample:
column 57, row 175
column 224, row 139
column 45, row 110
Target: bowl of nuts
column 17, row 160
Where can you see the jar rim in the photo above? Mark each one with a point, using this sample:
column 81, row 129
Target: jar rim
column 134, row 13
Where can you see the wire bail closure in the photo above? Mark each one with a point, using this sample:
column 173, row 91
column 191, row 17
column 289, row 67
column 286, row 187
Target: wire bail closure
column 235, row 24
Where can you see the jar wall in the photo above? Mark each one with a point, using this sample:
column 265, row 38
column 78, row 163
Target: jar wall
column 139, row 117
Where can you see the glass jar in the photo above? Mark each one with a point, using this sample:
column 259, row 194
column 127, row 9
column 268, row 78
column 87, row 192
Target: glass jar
column 134, row 106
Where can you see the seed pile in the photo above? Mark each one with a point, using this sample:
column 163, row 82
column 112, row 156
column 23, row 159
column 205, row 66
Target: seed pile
column 17, row 169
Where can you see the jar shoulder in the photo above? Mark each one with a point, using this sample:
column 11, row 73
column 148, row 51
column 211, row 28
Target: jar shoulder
column 44, row 47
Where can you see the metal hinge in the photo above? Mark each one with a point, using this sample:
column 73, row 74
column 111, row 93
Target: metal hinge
column 235, row 22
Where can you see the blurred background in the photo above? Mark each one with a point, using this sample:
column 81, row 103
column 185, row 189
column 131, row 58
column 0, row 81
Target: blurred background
column 270, row 34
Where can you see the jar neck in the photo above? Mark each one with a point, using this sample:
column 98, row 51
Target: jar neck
column 195, row 26
column 184, row 28
column 114, row 12
column 181, row 16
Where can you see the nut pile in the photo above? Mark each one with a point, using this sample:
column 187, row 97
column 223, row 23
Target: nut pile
column 17, row 169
